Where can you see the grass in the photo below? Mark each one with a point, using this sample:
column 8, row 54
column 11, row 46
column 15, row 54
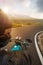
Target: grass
column 24, row 22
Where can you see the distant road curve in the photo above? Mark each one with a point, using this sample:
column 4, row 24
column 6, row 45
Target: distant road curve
column 37, row 48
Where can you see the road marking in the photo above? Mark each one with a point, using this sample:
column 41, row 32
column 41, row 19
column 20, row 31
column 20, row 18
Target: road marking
column 37, row 48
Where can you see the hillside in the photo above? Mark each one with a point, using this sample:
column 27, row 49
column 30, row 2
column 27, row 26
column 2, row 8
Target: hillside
column 22, row 22
column 5, row 21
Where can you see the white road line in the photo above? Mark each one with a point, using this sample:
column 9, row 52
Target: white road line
column 37, row 48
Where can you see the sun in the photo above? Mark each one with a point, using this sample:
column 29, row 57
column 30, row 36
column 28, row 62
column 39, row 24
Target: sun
column 5, row 9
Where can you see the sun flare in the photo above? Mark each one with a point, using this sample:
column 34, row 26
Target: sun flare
column 5, row 9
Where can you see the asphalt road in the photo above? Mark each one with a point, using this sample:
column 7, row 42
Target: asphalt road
column 28, row 32
column 38, row 41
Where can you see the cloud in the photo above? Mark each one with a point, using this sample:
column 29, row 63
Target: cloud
column 32, row 8
column 40, row 5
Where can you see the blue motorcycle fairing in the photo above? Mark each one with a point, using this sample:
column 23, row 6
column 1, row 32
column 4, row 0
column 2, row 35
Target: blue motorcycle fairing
column 15, row 48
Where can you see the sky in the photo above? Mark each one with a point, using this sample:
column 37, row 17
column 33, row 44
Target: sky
column 30, row 8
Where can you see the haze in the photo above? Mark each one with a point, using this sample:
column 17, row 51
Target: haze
column 30, row 8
